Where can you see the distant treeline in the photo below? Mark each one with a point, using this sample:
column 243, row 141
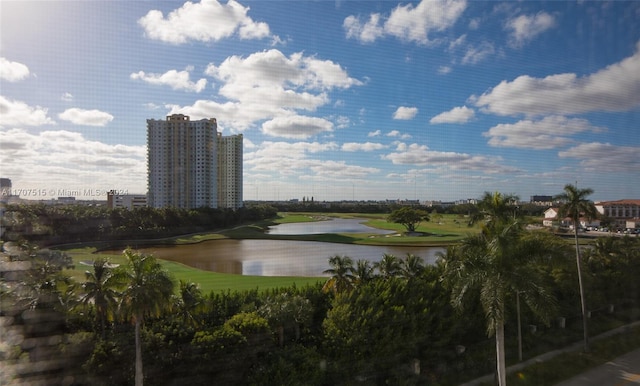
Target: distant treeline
column 525, row 209
column 60, row 224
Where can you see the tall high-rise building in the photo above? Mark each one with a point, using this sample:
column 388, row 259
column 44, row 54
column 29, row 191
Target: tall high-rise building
column 230, row 171
column 183, row 163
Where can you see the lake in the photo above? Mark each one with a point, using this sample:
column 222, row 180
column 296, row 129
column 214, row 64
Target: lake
column 284, row 257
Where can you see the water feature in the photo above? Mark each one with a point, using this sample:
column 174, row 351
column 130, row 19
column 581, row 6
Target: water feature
column 277, row 257
column 285, row 257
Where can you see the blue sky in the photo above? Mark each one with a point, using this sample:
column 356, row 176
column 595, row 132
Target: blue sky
column 431, row 100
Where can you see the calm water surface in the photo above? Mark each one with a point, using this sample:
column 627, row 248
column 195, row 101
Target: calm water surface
column 284, row 257
column 277, row 257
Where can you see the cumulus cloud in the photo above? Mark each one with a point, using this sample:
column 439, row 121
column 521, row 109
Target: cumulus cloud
column 177, row 80
column 548, row 133
column 476, row 54
column 296, row 126
column 456, row 115
column 405, row 113
column 411, row 23
column 526, row 27
column 614, row 88
column 416, row 154
column 67, row 97
column 340, row 170
column 86, row 117
column 208, row 20
column 269, row 84
column 398, row 134
column 64, row 160
column 375, row 133
column 605, row 157
column 366, row 146
column 13, row 71
column 18, row 113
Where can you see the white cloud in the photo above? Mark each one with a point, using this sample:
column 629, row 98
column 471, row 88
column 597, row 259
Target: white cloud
column 374, row 133
column 18, row 113
column 13, row 71
column 268, row 84
column 443, row 70
column 411, row 23
column 416, row 154
column 177, row 80
column 67, row 97
column 548, row 133
column 296, row 126
column 86, row 117
column 614, row 88
column 524, row 28
column 62, row 160
column 475, row 54
column 367, row 32
column 405, row 113
column 456, row 115
column 340, row 170
column 367, row 146
column 206, row 21
column 605, row 157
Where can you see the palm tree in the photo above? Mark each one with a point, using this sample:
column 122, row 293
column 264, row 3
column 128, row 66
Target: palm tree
column 389, row 266
column 188, row 301
column 576, row 205
column 411, row 266
column 101, row 288
column 342, row 274
column 149, row 289
column 494, row 208
column 497, row 264
column 363, row 271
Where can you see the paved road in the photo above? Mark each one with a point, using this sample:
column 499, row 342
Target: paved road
column 622, row 371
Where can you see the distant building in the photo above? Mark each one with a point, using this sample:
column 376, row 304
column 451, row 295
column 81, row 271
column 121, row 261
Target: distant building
column 127, row 201
column 541, row 200
column 551, row 219
column 621, row 212
column 184, row 168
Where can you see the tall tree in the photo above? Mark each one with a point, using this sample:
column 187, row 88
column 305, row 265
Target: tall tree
column 495, row 265
column 574, row 206
column 342, row 274
column 148, row 290
column 101, row 288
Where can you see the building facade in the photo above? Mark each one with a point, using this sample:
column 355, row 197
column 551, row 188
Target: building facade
column 127, row 201
column 230, row 171
column 183, row 163
column 621, row 212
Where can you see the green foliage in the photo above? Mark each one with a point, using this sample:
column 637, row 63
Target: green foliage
column 378, row 328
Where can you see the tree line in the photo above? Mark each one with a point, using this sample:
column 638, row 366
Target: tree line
column 59, row 224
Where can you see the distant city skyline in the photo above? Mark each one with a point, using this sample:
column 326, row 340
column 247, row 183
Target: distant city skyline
column 427, row 100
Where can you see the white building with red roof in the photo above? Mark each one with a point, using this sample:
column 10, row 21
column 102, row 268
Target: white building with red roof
column 623, row 213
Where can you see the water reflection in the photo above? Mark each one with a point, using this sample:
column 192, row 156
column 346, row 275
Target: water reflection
column 336, row 225
column 277, row 257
